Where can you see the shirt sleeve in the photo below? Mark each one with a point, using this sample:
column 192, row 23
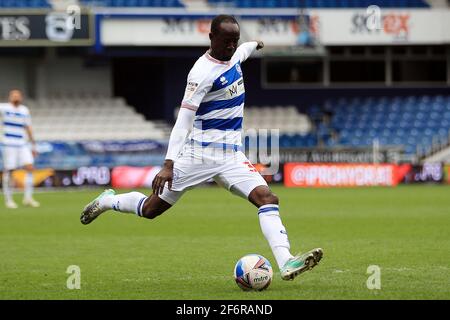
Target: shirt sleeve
column 196, row 88
column 245, row 50
column 179, row 132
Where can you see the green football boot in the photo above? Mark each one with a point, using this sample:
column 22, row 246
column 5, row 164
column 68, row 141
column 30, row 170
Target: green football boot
column 301, row 263
column 93, row 209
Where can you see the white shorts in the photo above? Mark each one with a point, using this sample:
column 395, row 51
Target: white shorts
column 234, row 172
column 16, row 157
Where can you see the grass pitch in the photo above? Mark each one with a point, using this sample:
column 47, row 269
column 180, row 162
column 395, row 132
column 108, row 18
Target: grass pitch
column 190, row 251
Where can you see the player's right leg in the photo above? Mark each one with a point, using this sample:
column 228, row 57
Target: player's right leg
column 10, row 159
column 7, row 193
column 274, row 231
column 132, row 202
column 242, row 179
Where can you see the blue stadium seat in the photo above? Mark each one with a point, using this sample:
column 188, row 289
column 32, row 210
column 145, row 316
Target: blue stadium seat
column 24, row 4
column 321, row 3
column 134, row 3
column 404, row 121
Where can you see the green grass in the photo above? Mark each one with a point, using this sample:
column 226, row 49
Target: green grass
column 190, row 251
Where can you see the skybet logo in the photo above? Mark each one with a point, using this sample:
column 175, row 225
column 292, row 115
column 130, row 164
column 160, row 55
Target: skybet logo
column 395, row 24
column 374, row 21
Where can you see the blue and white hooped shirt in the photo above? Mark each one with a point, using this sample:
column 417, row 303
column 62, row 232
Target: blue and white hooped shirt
column 15, row 119
column 215, row 90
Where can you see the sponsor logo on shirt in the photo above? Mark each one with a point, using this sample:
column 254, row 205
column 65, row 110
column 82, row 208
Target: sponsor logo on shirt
column 223, row 80
column 235, row 89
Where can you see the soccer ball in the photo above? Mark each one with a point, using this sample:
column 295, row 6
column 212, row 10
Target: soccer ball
column 253, row 272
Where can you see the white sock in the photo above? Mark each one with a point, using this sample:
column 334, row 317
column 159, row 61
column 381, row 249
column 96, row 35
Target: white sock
column 127, row 202
column 275, row 232
column 6, row 188
column 28, row 194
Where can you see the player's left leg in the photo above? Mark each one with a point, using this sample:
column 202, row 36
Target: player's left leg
column 132, row 202
column 138, row 203
column 28, row 192
column 26, row 161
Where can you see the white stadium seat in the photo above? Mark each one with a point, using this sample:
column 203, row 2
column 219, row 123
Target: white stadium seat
column 91, row 117
column 285, row 118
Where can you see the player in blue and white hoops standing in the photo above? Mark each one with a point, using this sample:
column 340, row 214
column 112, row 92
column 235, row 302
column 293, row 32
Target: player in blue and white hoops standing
column 205, row 143
column 17, row 153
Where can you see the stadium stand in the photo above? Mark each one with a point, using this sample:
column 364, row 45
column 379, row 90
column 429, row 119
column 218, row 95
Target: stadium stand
column 75, row 130
column 321, row 3
column 67, row 155
column 415, row 123
column 99, row 3
column 79, row 118
column 229, row 3
column 134, row 3
column 295, row 128
column 24, row 4
column 412, row 122
column 287, row 118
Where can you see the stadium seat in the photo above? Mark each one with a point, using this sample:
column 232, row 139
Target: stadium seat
column 91, row 118
column 411, row 122
column 320, row 3
column 24, row 4
column 133, row 3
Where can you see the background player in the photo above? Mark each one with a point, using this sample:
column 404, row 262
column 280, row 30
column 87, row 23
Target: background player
column 16, row 151
column 212, row 111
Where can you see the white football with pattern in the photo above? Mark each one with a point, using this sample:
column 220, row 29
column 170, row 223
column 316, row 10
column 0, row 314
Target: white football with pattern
column 253, row 272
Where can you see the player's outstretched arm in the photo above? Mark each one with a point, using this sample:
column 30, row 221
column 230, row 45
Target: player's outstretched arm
column 178, row 135
column 246, row 49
